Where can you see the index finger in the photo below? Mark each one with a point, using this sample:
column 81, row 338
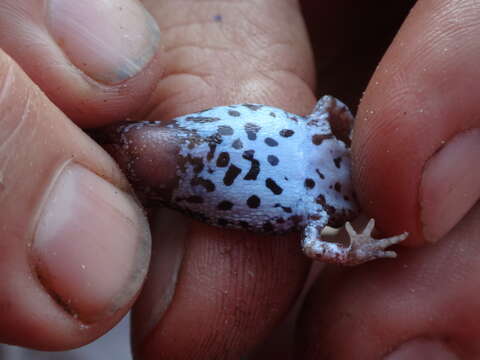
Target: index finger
column 417, row 136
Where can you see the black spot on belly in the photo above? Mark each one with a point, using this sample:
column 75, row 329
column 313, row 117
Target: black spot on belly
column 338, row 162
column 252, row 130
column 272, row 114
column 271, row 142
column 272, row 185
column 237, row 144
column 248, row 154
column 338, row 187
column 202, row 119
column 225, row 130
column 254, row 170
column 211, row 153
column 231, row 175
column 194, row 199
column 287, row 209
column 233, row 113
column 317, row 139
column 223, row 159
column 224, row 205
column 328, row 208
column 273, row 160
column 254, row 167
column 286, row 133
column 309, row 183
column 320, row 174
column 253, row 202
column 253, row 107
column 207, row 184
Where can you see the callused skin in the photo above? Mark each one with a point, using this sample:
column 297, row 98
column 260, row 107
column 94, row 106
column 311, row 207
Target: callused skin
column 253, row 167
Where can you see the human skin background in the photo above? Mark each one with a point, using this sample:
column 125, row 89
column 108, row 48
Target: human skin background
column 218, row 294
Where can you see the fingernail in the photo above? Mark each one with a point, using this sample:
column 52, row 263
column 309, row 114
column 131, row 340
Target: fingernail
column 169, row 231
column 109, row 40
column 91, row 246
column 450, row 184
column 422, row 349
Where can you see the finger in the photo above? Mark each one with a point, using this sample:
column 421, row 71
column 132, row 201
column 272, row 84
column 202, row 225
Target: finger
column 417, row 134
column 423, row 306
column 74, row 243
column 98, row 61
column 222, row 292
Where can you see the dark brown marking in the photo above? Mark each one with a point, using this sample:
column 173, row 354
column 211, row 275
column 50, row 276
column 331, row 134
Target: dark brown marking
column 211, row 153
column 202, row 119
column 237, row 144
column 207, row 184
column 284, row 208
column 194, row 199
column 225, row 205
column 254, row 170
column 225, row 130
column 273, row 186
column 338, row 187
column 233, row 113
column 273, row 160
column 253, row 107
column 197, row 163
column 253, row 202
column 271, row 142
column 320, row 174
column 255, row 165
column 231, row 175
column 328, row 208
column 317, row 139
column 338, row 162
column 223, row 159
column 248, row 154
column 286, row 133
column 309, row 183
column 252, row 130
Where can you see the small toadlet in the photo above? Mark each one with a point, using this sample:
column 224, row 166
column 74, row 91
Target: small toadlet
column 256, row 168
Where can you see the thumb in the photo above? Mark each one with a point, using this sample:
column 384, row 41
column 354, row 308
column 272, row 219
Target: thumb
column 74, row 243
column 98, row 61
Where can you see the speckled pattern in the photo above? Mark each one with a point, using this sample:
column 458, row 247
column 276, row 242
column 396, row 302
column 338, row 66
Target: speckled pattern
column 262, row 169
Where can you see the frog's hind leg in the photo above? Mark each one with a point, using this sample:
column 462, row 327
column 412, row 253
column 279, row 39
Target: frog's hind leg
column 363, row 247
column 338, row 116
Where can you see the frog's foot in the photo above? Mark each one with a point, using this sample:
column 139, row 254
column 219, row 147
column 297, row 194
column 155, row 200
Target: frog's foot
column 363, row 247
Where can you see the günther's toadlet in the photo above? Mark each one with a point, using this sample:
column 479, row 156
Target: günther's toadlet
column 256, row 168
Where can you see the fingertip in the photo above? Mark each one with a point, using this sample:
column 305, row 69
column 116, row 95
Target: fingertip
column 417, row 102
column 97, row 61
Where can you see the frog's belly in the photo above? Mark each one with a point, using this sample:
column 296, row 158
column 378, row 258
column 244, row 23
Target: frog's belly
column 259, row 188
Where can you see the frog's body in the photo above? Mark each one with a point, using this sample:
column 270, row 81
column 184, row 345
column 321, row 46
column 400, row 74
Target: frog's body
column 259, row 168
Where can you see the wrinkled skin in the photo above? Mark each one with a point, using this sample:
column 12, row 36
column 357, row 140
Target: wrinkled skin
column 217, row 294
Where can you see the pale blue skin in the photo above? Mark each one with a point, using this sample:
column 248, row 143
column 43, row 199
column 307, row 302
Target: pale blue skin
column 296, row 168
column 298, row 159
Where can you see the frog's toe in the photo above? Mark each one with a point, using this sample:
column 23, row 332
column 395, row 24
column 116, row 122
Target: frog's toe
column 364, row 247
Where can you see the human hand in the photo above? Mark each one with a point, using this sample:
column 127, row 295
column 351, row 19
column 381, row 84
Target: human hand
column 221, row 293
column 74, row 242
column 416, row 148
